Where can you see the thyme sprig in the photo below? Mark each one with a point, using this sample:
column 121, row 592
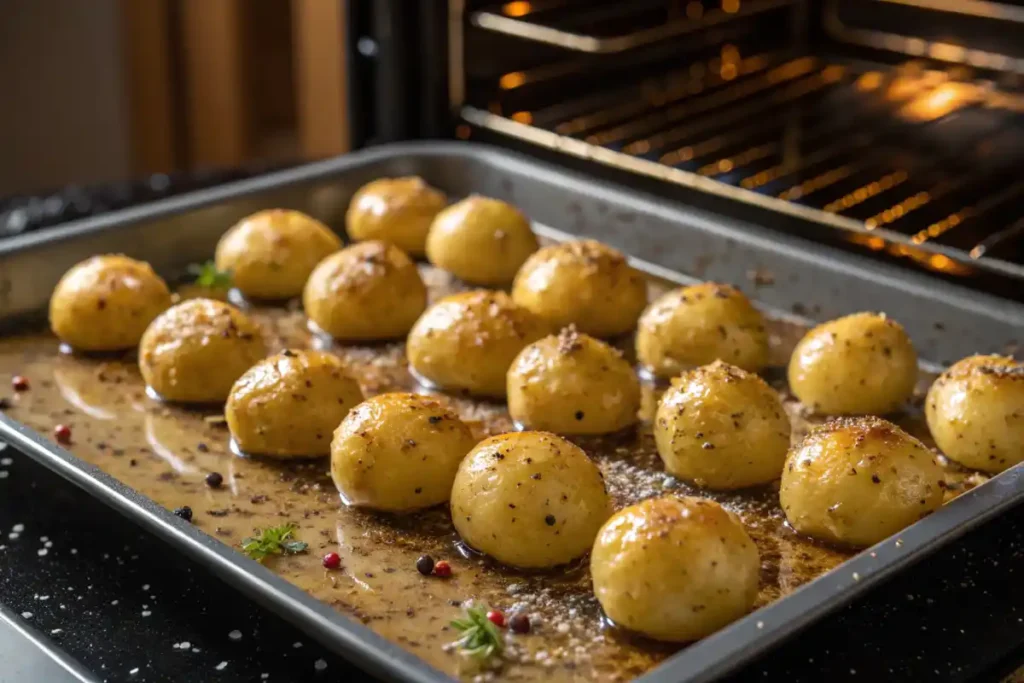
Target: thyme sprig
column 207, row 275
column 479, row 639
column 278, row 540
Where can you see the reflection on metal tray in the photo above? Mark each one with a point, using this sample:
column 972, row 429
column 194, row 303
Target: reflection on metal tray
column 671, row 238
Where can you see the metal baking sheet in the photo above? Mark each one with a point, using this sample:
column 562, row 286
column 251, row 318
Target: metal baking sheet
column 669, row 240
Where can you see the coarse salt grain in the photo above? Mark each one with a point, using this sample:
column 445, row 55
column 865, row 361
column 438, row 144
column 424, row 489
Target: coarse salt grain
column 41, row 552
column 221, row 666
column 18, row 528
column 235, row 635
column 146, row 612
column 320, row 665
column 26, row 615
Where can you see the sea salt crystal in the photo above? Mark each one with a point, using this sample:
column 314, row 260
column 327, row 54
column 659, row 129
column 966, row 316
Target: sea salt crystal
column 26, row 615
column 320, row 665
column 235, row 635
column 42, row 551
column 146, row 613
column 221, row 666
column 18, row 528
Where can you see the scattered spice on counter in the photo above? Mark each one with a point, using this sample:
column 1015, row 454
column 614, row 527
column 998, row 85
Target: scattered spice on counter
column 185, row 512
column 425, row 565
column 519, row 623
column 497, row 618
column 331, row 561
column 277, row 540
column 19, row 383
column 63, row 434
column 5, row 403
column 442, row 569
column 214, row 480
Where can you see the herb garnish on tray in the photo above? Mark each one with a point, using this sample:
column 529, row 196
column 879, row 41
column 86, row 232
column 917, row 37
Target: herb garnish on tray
column 207, row 275
column 276, row 540
column 481, row 639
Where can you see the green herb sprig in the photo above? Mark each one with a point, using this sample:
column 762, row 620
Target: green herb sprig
column 480, row 639
column 207, row 275
column 276, row 540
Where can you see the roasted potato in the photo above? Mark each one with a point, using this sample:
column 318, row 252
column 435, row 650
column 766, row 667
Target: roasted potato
column 395, row 210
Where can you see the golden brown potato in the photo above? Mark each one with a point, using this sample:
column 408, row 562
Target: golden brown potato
column 975, row 412
column 270, row 254
column 396, row 210
column 481, row 240
column 194, row 351
column 857, row 481
column 288, row 405
column 857, row 365
column 369, row 291
column 675, row 569
column 572, row 384
column 699, row 324
column 105, row 303
column 721, row 427
column 467, row 341
column 585, row 283
column 529, row 499
column 398, row 452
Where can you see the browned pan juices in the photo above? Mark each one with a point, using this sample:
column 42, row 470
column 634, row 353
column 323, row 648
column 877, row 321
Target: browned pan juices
column 166, row 451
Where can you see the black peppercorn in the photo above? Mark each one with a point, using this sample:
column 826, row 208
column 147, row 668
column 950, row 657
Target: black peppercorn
column 519, row 623
column 425, row 565
column 214, row 480
column 550, row 520
column 185, row 512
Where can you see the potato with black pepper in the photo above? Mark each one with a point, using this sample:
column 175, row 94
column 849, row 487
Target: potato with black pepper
column 271, row 253
column 367, row 292
column 585, row 283
column 194, row 351
column 975, row 412
column 675, row 568
column 857, row 481
column 395, row 210
column 861, row 364
column 105, row 303
column 722, row 428
column 571, row 383
column 699, row 324
column 398, row 452
column 467, row 341
column 481, row 240
column 529, row 499
column 288, row 405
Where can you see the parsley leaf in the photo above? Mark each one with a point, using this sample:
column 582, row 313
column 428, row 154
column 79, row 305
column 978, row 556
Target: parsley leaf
column 276, row 540
column 207, row 275
column 480, row 639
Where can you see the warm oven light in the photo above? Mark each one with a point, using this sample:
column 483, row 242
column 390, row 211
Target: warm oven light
column 516, row 9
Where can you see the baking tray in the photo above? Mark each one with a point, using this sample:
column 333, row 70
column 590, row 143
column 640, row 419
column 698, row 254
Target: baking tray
column 947, row 322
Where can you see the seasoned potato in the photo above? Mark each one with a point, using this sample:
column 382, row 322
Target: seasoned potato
column 857, row 481
column 369, row 291
column 529, row 499
column 975, row 412
column 396, row 210
column 585, row 283
column 105, row 303
column 572, row 384
column 467, row 341
column 675, row 569
column 271, row 253
column 721, row 427
column 481, row 240
column 398, row 452
column 860, row 364
column 194, row 351
column 696, row 325
column 288, row 405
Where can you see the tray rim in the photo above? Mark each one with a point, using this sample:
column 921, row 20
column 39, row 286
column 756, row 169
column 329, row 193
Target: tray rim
column 718, row 654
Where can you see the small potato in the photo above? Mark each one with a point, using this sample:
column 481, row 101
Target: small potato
column 675, row 569
column 696, row 325
column 467, row 341
column 481, row 240
column 857, row 365
column 194, row 351
column 720, row 427
column 398, row 452
column 366, row 292
column 529, row 499
column 396, row 210
column 288, row 405
column 105, row 303
column 975, row 412
column 572, row 384
column 584, row 283
column 857, row 481
column 271, row 253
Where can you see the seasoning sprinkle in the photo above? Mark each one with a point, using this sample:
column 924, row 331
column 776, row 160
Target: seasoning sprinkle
column 332, row 561
column 63, row 434
column 185, row 512
column 425, row 565
column 214, row 480
column 442, row 569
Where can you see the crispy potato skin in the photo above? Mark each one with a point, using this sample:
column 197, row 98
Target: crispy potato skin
column 571, row 383
column 467, row 341
column 369, row 291
column 675, row 569
column 398, row 452
column 975, row 412
column 583, row 283
column 270, row 254
column 395, row 210
column 862, row 364
column 481, row 240
column 720, row 427
column 529, row 499
column 857, row 481
column 194, row 351
column 105, row 303
column 697, row 325
column 288, row 405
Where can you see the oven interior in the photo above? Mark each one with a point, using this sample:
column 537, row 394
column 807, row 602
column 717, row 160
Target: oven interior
column 893, row 126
